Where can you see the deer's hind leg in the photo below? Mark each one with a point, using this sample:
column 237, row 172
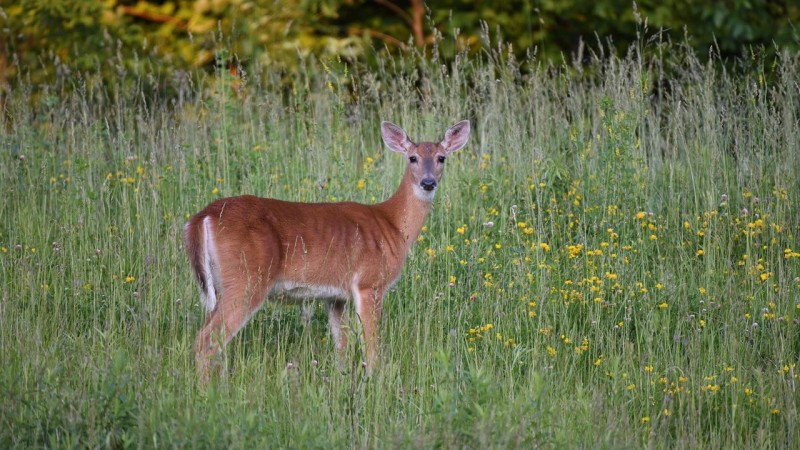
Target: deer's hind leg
column 243, row 294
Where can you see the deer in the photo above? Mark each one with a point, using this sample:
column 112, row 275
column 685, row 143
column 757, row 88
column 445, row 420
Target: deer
column 244, row 250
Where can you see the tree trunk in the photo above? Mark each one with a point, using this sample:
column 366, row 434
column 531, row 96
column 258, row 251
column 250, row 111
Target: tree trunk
column 417, row 14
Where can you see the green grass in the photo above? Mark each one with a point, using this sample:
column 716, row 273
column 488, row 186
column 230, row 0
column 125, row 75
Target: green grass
column 640, row 285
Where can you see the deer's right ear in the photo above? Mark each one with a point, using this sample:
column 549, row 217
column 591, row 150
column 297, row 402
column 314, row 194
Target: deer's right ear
column 394, row 137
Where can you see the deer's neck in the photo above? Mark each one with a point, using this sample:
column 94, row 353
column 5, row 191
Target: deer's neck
column 406, row 210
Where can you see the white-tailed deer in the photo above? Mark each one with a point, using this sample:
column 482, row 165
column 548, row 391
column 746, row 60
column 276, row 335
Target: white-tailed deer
column 245, row 249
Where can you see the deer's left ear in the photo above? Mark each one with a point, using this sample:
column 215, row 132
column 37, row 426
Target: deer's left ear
column 456, row 137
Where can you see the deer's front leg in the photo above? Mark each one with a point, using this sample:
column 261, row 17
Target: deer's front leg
column 335, row 310
column 368, row 308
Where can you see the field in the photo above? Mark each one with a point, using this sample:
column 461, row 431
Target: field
column 613, row 261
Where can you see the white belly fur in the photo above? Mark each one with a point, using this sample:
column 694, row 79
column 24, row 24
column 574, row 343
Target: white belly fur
column 302, row 291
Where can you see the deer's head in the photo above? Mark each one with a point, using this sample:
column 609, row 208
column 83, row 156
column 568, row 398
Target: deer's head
column 426, row 159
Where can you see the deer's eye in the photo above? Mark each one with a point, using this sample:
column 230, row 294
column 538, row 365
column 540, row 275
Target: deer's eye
column 441, row 160
column 412, row 159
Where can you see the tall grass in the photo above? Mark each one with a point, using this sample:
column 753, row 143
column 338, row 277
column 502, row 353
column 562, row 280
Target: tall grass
column 611, row 262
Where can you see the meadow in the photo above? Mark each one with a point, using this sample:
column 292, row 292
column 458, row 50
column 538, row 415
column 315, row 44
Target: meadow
column 613, row 261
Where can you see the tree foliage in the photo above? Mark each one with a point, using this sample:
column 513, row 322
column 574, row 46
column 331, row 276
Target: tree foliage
column 43, row 39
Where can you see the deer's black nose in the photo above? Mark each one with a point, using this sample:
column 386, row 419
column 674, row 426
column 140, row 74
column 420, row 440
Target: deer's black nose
column 428, row 184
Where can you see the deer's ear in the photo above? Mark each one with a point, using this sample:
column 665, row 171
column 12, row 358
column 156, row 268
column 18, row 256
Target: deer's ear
column 456, row 137
column 394, row 137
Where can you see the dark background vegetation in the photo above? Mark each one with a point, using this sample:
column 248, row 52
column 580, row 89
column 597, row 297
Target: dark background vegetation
column 43, row 40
